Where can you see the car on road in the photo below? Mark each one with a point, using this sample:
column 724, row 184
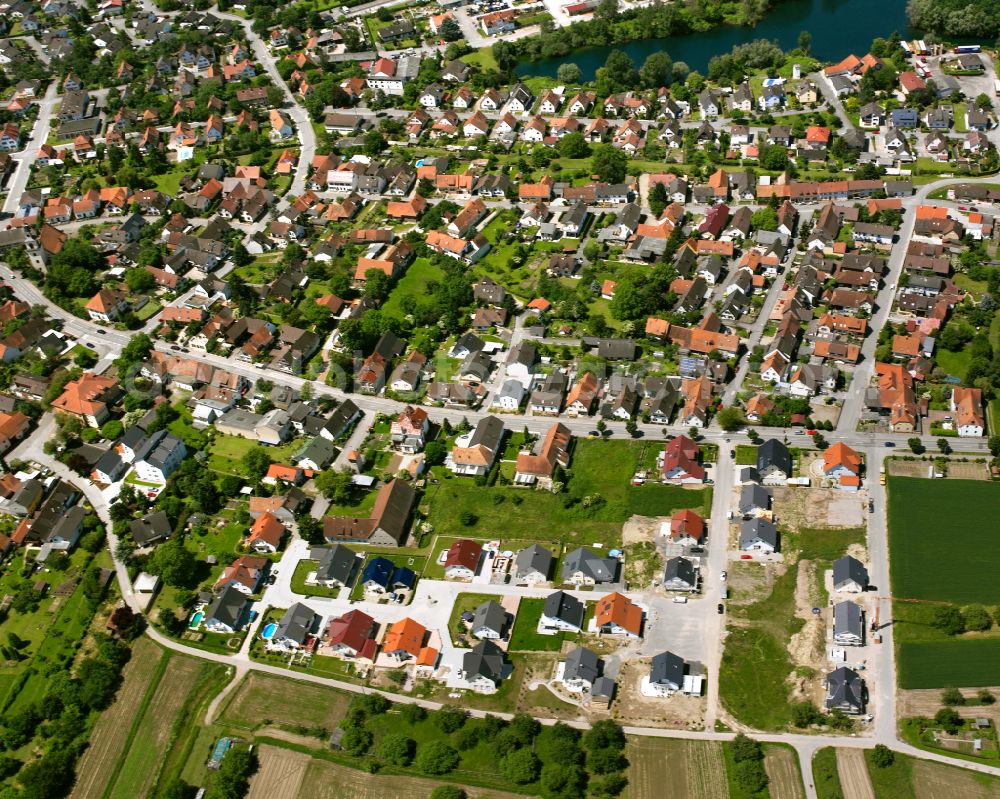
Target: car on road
column 732, row 453
column 890, row 443
column 92, row 345
column 723, row 575
column 175, row 348
column 102, row 332
column 721, row 609
column 871, row 506
column 746, row 557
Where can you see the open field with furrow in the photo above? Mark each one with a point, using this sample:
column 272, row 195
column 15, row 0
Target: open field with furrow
column 853, row 771
column 783, row 772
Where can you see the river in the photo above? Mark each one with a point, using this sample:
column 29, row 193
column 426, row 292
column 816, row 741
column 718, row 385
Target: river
column 838, row 27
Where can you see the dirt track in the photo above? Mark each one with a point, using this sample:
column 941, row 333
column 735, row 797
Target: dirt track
column 853, row 772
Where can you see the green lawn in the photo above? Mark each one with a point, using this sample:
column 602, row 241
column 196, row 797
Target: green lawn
column 526, row 637
column 892, row 782
column 465, row 602
column 965, row 662
column 953, row 363
column 600, row 470
column 413, row 284
column 483, row 58
column 825, row 775
column 755, row 662
column 746, row 455
column 226, row 452
column 299, row 586
column 935, row 526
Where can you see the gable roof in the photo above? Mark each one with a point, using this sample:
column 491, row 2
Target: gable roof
column 619, row 610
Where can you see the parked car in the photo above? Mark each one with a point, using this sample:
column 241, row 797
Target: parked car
column 721, row 609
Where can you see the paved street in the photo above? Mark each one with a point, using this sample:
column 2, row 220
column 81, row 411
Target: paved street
column 23, row 159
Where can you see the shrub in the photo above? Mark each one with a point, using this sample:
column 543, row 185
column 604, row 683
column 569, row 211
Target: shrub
column 449, row 718
column 436, row 757
column 952, row 696
column 883, row 756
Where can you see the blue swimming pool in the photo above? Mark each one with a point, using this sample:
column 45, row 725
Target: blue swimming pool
column 420, row 162
column 196, row 619
column 269, row 631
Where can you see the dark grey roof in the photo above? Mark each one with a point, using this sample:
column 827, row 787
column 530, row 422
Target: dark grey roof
column 489, row 616
column 227, row 607
column 469, row 341
column 531, row 559
column 667, row 668
column 567, row 607
column 846, row 569
column 151, row 527
column 296, row 624
column 582, row 664
column 485, row 660
column 158, row 448
column 758, row 528
column 847, row 619
column 603, row 687
column 773, row 453
column 680, row 569
column 133, row 437
column 334, row 563
column 601, row 570
column 523, row 354
column 753, row 497
column 844, row 687
column 488, row 433
column 109, row 463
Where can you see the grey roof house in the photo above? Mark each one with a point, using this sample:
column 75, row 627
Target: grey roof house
column 586, row 567
column 533, row 564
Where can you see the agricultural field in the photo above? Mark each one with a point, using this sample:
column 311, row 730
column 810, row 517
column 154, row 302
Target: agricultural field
column 852, row 769
column 676, row 768
column 327, row 780
column 252, row 704
column 933, row 526
column 279, row 775
column 783, row 773
column 923, row 568
column 111, row 732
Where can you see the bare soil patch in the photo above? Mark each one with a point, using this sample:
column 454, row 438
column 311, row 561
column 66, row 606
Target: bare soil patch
column 280, row 773
column 967, row 471
column 783, row 772
column 806, row 646
column 302, row 704
column 634, row 709
column 800, row 508
column 927, row 702
column 680, row 769
column 639, row 529
column 853, row 772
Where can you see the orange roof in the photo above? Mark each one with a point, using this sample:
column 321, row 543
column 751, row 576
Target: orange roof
column 817, row 133
column 540, row 304
column 267, row 528
column 82, row 396
column 687, row 524
column 278, row 471
column 931, row 212
column 841, row 455
column 608, row 288
column 619, row 610
column 405, row 635
column 105, row 300
column 428, row 656
column 850, row 480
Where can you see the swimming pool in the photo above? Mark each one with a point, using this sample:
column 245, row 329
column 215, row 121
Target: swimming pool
column 420, row 163
column 269, row 631
column 196, row 620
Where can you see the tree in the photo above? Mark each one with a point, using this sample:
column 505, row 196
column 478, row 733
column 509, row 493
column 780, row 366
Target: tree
column 609, row 164
column 746, row 748
column 335, row 486
column 397, row 749
column 436, row 757
column 377, row 284
column 977, row 618
column 948, row 719
column 574, row 145
column 374, row 142
column 949, row 620
column 983, row 101
column 916, row 446
column 356, row 740
column 883, row 756
column 412, row 714
column 985, row 697
column 173, row 563
column 605, row 734
column 658, row 198
column 311, row 530
column 435, row 453
column 562, row 781
column 448, row 792
column 449, row 30
column 751, row 776
column 569, row 73
column 450, row 718
column 606, row 761
column 520, row 766
column 139, row 280
column 952, row 696
column 655, row 70
column 994, row 445
column 731, row 418
column 255, row 463
column 112, row 430
column 232, row 780
column 765, row 218
column 178, row 789
column 49, row 777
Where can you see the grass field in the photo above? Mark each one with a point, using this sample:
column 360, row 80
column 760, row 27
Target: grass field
column 785, row 777
column 663, row 767
column 934, row 525
column 253, row 704
column 755, row 662
column 413, row 284
column 825, row 777
column 892, row 782
column 598, row 468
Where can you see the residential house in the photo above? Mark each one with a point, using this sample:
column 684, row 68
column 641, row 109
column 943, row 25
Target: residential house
column 584, row 567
